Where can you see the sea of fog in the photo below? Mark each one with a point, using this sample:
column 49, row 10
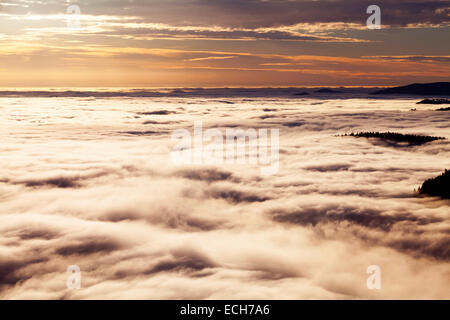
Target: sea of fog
column 90, row 182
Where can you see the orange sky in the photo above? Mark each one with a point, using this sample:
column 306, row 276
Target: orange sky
column 220, row 43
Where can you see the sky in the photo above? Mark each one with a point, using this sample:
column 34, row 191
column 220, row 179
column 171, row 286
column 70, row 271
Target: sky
column 217, row 43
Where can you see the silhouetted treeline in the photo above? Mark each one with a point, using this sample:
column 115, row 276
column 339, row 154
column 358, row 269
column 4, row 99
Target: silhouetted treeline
column 438, row 187
column 397, row 137
column 434, row 101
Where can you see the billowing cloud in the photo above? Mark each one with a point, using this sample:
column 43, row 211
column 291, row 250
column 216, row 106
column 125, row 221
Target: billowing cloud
column 83, row 192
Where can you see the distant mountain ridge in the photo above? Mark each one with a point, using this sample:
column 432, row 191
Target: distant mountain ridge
column 425, row 89
column 223, row 93
column 430, row 89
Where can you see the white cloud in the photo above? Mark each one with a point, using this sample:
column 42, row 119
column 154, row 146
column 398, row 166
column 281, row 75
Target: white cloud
column 76, row 189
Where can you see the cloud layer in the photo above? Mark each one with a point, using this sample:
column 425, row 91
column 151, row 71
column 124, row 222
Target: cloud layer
column 77, row 188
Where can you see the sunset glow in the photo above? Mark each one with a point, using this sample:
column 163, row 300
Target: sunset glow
column 222, row 43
